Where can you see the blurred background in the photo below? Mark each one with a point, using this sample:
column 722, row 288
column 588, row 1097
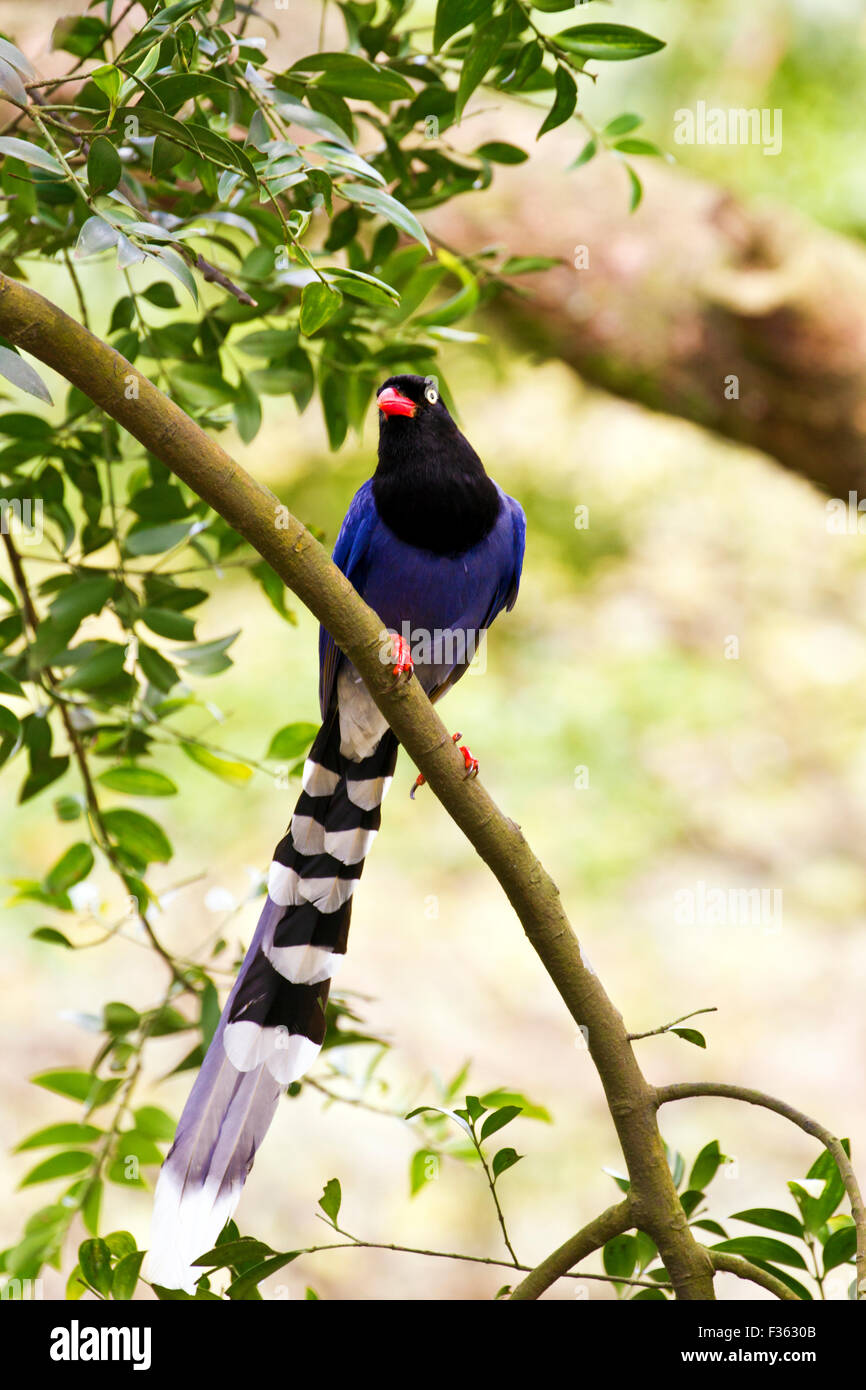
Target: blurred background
column 677, row 698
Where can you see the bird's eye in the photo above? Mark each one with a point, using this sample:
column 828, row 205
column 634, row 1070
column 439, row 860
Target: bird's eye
column 432, row 394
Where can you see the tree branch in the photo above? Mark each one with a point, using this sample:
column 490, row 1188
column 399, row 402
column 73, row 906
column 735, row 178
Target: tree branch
column 596, row 1233
column 735, row 1264
column 666, row 1027
column 686, row 1090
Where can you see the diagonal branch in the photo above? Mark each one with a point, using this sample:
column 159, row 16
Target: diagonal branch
column 609, row 1224
column 686, row 1090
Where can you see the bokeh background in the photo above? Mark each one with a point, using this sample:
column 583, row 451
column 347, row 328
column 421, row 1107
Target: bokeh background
column 743, row 772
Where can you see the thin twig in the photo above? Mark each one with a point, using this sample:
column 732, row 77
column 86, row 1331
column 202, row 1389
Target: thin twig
column 666, row 1027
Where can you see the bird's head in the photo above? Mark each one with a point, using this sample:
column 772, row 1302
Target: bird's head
column 430, row 485
column 411, row 398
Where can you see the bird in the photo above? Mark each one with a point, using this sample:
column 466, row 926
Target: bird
column 436, row 548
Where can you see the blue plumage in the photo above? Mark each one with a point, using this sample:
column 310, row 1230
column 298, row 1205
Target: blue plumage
column 431, row 592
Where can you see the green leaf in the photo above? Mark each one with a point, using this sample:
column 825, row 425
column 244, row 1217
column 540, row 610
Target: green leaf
column 103, row 166
column 62, row 1165
column 634, row 203
column 167, row 623
column 82, row 597
column 156, row 669
column 454, row 15
column 109, row 80
column 291, row 741
column 502, row 1096
column 771, row 1219
column 71, row 868
column 706, row 1165
column 639, row 147
column 207, row 658
column 10, row 686
column 840, row 1247
column 125, row 1276
column 484, row 49
column 153, row 540
column 622, row 125
column 96, row 235
column 362, row 286
column 247, row 411
column 620, row 1256
column 14, row 368
column 349, row 75
column 103, row 666
column 232, row 1253
column 139, row 835
column 246, row 1283
column 610, row 42
column 564, row 102
column 59, row 1134
column 10, row 724
column 499, row 1119
column 52, row 937
column 95, row 1260
column 503, row 1160
column 423, row 1168
column 377, row 201
column 499, row 152
column 120, row 1018
column 319, row 302
column 120, row 1243
column 155, row 1123
column 30, row 154
column 77, row 1085
column 588, row 152
column 137, row 781
column 331, row 1200
column 762, row 1248
column 162, row 295
column 91, row 1206
column 226, row 768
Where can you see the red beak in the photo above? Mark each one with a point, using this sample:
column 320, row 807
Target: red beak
column 390, row 402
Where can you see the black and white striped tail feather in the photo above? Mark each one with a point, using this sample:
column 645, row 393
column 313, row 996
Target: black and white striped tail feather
column 273, row 1024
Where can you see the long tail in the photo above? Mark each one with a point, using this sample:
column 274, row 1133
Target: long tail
column 273, row 1024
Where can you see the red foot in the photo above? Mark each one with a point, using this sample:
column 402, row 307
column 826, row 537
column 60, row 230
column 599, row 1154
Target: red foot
column 403, row 663
column 471, row 766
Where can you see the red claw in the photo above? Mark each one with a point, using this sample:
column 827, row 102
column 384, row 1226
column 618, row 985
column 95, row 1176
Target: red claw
column 403, row 663
column 471, row 763
column 471, row 766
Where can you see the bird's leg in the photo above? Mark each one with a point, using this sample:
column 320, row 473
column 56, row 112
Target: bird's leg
column 471, row 766
column 402, row 656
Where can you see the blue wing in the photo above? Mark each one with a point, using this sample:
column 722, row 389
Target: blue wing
column 349, row 556
column 403, row 583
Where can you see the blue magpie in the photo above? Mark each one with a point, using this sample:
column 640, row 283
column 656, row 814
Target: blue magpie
column 436, row 548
